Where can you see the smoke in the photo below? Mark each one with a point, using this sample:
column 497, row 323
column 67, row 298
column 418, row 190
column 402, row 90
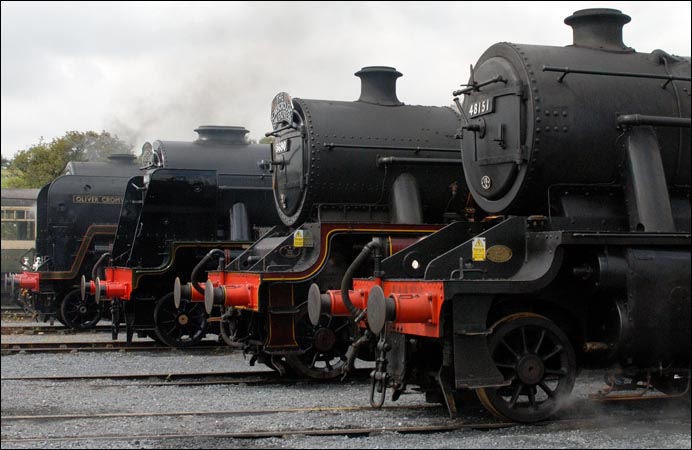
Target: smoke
column 156, row 71
column 259, row 51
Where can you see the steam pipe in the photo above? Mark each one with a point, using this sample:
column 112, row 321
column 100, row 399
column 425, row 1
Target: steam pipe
column 98, row 264
column 348, row 276
column 200, row 266
column 657, row 121
column 391, row 160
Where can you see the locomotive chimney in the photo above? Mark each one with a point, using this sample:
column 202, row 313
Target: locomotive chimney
column 229, row 135
column 599, row 28
column 378, row 85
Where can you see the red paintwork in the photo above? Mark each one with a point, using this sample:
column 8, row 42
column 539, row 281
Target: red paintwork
column 196, row 295
column 418, row 303
column 240, row 289
column 28, row 280
column 358, row 298
column 117, row 283
column 243, row 292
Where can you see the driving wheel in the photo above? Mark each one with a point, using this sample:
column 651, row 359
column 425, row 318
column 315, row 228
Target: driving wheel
column 538, row 362
column 182, row 327
column 323, row 346
column 77, row 313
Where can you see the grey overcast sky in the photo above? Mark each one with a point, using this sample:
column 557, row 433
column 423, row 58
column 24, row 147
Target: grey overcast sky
column 157, row 70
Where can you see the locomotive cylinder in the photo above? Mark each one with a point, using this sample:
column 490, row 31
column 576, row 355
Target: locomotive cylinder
column 540, row 116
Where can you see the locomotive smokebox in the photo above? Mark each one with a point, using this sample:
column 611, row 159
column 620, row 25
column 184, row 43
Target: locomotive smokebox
column 599, row 28
column 378, row 85
column 340, row 160
column 543, row 136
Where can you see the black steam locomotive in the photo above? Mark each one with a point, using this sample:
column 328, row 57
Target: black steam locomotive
column 342, row 172
column 76, row 217
column 194, row 196
column 582, row 154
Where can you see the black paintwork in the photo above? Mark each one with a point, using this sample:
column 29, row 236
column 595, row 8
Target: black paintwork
column 331, row 154
column 76, row 216
column 182, row 207
column 596, row 163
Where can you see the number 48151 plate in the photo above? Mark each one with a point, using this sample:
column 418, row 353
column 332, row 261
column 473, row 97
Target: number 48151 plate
column 480, row 107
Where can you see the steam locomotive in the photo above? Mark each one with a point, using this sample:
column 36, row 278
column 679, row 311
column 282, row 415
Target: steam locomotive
column 76, row 217
column 342, row 172
column 192, row 197
column 582, row 155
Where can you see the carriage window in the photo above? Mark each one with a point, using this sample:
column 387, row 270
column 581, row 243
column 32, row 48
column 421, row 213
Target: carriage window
column 18, row 223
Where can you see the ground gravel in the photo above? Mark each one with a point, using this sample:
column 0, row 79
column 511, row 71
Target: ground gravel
column 652, row 424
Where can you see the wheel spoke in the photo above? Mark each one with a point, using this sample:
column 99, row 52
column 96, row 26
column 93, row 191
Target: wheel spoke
column 540, row 341
column 543, row 374
column 558, row 349
column 546, row 389
column 510, row 349
column 523, row 340
column 70, row 311
column 341, row 327
column 507, row 366
column 168, row 327
column 515, row 395
column 560, row 372
column 168, row 313
column 322, row 347
column 532, row 398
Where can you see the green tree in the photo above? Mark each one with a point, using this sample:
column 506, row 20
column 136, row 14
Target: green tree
column 43, row 162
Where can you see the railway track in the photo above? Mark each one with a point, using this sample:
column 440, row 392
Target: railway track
column 259, row 434
column 17, row 314
column 136, row 376
column 237, row 412
column 105, row 346
column 50, row 329
column 251, row 378
column 593, row 422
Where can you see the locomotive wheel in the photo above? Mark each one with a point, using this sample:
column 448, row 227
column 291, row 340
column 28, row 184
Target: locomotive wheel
column 79, row 314
column 323, row 346
column 181, row 327
column 673, row 384
column 155, row 337
column 536, row 357
column 59, row 316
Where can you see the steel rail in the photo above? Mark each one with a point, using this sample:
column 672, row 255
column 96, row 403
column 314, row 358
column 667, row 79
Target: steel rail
column 49, row 347
column 276, row 433
column 234, row 412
